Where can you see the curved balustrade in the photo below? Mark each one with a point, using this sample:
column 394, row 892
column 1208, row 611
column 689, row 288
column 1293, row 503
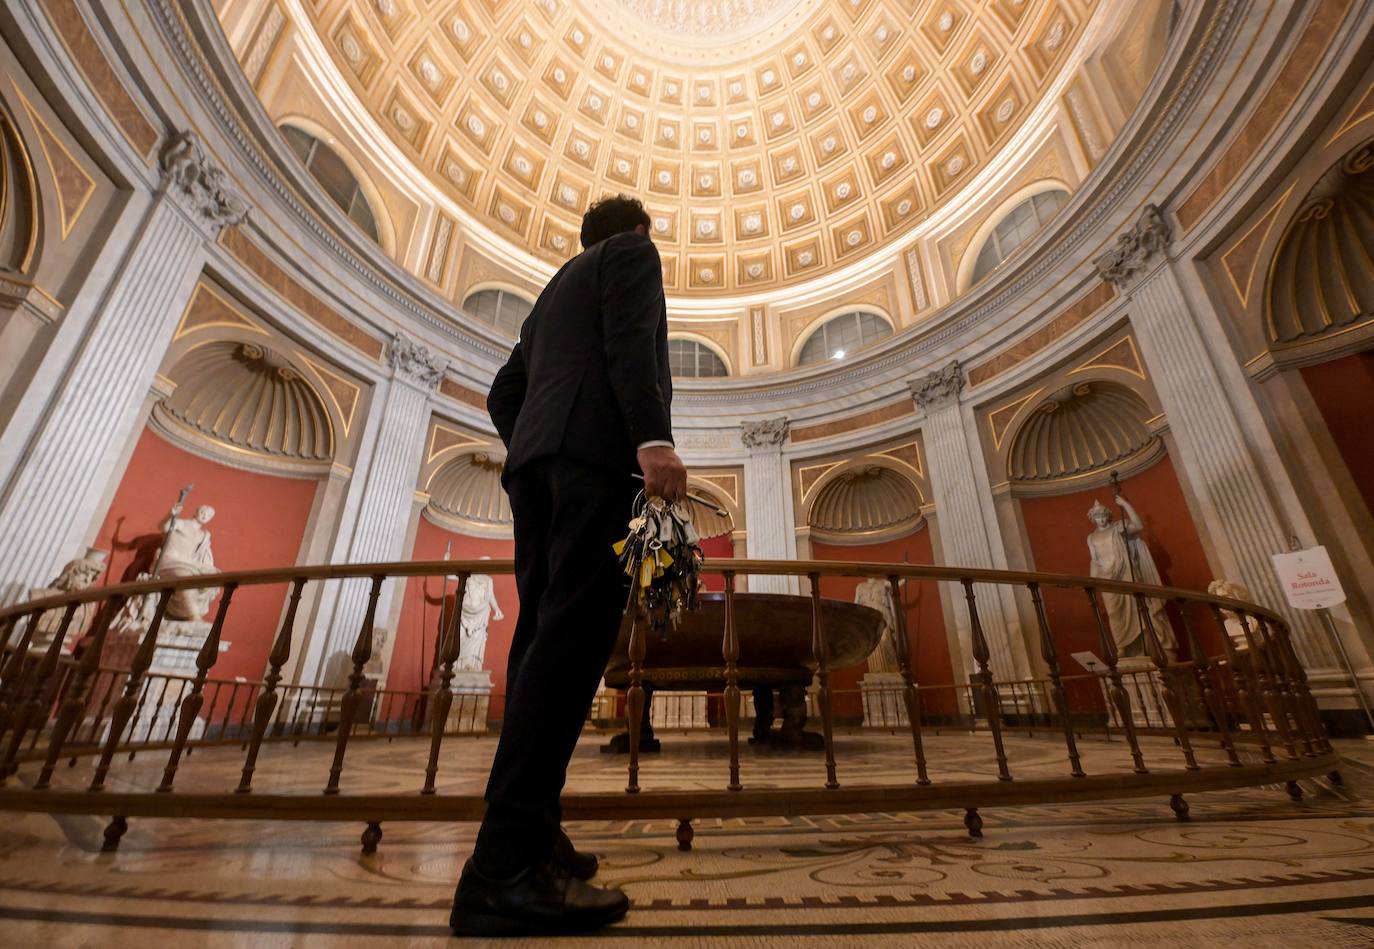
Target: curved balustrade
column 1236, row 714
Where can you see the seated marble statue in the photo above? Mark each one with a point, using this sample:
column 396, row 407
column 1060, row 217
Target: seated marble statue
column 186, row 553
column 1119, row 552
column 79, row 574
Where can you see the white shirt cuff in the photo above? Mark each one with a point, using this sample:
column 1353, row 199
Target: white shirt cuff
column 655, row 444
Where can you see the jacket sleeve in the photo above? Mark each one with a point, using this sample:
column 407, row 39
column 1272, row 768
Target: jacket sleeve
column 631, row 307
column 507, row 395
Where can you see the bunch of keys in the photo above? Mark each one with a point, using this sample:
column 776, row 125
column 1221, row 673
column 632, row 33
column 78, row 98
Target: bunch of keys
column 662, row 556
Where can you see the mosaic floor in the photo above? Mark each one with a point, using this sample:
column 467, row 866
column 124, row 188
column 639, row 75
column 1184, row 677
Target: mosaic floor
column 1252, row 868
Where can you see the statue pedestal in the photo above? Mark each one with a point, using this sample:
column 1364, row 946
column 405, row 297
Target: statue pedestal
column 679, row 710
column 603, row 706
column 884, row 704
column 1140, row 679
column 471, row 702
column 178, row 644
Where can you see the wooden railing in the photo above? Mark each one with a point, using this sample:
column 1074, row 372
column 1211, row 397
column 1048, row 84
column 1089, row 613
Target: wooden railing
column 1247, row 702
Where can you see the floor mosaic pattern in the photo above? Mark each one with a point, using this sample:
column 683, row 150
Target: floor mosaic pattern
column 1251, row 868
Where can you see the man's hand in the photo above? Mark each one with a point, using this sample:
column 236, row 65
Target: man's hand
column 665, row 476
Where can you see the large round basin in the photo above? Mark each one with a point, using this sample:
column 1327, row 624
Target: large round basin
column 774, row 643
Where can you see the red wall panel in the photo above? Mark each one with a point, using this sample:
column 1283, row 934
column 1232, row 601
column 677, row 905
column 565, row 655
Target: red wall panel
column 925, row 620
column 1344, row 390
column 1058, row 529
column 259, row 523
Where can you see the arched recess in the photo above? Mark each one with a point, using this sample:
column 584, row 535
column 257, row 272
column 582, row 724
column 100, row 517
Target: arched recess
column 1058, row 457
column 243, row 427
column 250, row 405
column 386, row 228
column 862, row 501
column 833, row 317
column 466, row 496
column 21, row 214
column 870, row 509
column 1319, row 310
column 964, row 275
column 500, row 305
column 1321, row 279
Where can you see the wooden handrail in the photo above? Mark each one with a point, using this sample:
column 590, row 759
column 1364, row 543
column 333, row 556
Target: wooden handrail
column 797, row 568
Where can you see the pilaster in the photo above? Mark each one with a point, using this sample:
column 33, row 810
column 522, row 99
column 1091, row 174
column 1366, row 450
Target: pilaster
column 1240, row 516
column 380, row 497
column 53, row 495
column 968, row 521
column 768, row 486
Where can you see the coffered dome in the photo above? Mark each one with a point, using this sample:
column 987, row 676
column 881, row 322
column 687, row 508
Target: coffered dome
column 771, row 141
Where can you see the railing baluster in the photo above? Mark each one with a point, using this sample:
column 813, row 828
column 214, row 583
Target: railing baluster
column 348, row 707
column 1059, row 701
column 189, row 710
column 1295, row 688
column 267, row 700
column 1115, row 691
column 442, row 699
column 634, row 695
column 28, row 702
column 1202, row 670
column 11, row 674
column 1243, row 676
column 1268, row 685
column 910, row 696
column 124, row 708
column 1171, row 702
column 75, row 701
column 987, row 688
column 730, row 652
column 821, row 650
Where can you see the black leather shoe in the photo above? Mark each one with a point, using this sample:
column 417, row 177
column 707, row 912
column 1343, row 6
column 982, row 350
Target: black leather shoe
column 580, row 864
column 541, row 900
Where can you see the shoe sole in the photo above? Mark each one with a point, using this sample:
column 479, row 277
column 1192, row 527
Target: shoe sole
column 487, row 924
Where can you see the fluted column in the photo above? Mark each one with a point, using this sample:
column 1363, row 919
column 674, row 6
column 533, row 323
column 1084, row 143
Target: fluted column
column 381, row 497
column 1241, row 519
column 968, row 522
column 51, row 499
column 768, row 517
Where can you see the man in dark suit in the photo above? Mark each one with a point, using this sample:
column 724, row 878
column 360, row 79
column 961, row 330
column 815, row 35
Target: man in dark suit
column 582, row 406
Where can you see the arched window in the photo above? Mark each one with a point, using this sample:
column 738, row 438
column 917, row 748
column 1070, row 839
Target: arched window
column 688, row 359
column 841, row 335
column 334, row 176
column 502, row 309
column 1019, row 224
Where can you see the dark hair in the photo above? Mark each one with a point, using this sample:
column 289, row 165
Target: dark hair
column 611, row 216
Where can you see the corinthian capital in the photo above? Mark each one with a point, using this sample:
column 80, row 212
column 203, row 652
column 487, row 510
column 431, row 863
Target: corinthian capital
column 201, row 185
column 765, row 433
column 939, row 387
column 1133, row 249
column 414, row 363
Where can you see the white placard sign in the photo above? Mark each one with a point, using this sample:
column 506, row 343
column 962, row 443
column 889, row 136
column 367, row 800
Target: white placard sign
column 1089, row 661
column 1309, row 581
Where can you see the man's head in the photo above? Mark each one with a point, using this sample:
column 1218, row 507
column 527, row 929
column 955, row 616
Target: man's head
column 611, row 216
column 204, row 513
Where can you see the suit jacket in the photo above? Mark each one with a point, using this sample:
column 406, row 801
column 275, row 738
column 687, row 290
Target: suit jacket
column 589, row 378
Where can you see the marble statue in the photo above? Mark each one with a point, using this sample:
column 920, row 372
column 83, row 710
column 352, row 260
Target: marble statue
column 876, row 593
column 1119, row 553
column 79, row 574
column 186, row 553
column 479, row 608
column 1234, row 628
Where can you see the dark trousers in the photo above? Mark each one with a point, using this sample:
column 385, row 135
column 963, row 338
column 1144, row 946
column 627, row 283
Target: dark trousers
column 572, row 595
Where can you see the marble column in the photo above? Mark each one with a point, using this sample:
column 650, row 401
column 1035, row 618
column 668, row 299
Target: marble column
column 53, row 495
column 380, row 500
column 968, row 522
column 768, row 516
column 1240, row 517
